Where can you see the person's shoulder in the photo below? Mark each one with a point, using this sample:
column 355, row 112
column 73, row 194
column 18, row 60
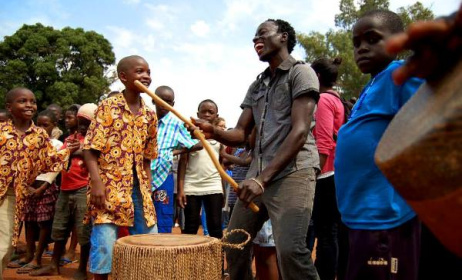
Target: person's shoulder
column 117, row 101
column 303, row 70
column 329, row 98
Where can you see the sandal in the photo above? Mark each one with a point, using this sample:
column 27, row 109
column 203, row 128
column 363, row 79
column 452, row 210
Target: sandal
column 16, row 264
column 47, row 254
column 27, row 268
column 64, row 261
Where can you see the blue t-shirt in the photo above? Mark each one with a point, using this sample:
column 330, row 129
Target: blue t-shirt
column 366, row 199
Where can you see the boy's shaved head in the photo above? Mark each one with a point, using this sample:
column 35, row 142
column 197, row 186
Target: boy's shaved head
column 390, row 20
column 9, row 97
column 125, row 62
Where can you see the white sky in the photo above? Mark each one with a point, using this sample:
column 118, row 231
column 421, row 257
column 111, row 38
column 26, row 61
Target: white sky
column 202, row 48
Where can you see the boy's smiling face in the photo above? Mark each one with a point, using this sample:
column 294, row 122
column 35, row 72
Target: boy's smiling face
column 136, row 69
column 23, row 105
column 369, row 36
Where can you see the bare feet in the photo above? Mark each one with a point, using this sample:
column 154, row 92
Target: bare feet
column 46, row 270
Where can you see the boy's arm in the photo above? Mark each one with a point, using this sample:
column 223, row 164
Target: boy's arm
column 182, row 163
column 98, row 190
column 237, row 160
column 194, row 148
column 58, row 159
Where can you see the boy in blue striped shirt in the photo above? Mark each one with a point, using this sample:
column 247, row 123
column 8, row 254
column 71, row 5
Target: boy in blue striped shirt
column 171, row 134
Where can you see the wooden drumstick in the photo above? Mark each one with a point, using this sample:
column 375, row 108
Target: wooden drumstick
column 198, row 134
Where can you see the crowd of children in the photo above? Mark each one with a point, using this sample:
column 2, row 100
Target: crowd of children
column 114, row 169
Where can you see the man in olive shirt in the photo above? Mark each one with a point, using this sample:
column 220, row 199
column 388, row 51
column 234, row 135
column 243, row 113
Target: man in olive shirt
column 281, row 178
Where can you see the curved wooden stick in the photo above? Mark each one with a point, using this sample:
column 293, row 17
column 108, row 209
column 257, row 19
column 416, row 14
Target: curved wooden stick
column 199, row 136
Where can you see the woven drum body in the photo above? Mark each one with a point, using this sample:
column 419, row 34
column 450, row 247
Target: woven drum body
column 167, row 256
column 420, row 153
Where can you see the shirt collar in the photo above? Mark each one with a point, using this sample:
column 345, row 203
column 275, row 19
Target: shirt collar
column 284, row 66
column 121, row 102
column 9, row 126
column 166, row 118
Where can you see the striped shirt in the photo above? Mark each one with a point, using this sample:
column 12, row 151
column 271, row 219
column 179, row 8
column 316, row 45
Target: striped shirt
column 171, row 133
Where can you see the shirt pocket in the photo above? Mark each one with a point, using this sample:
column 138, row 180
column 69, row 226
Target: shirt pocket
column 257, row 97
column 281, row 98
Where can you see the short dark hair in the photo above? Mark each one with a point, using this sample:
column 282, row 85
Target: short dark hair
column 391, row 20
column 11, row 94
column 55, row 106
column 125, row 62
column 74, row 108
column 284, row 26
column 164, row 88
column 50, row 114
column 207, row 101
column 327, row 70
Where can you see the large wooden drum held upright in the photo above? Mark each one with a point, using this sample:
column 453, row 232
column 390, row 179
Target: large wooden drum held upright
column 167, row 256
column 421, row 155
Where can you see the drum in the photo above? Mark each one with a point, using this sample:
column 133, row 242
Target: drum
column 167, row 256
column 420, row 153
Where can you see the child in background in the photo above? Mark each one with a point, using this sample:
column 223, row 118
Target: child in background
column 57, row 133
column 40, row 204
column 199, row 181
column 221, row 124
column 119, row 146
column 26, row 152
column 384, row 232
column 171, row 134
column 330, row 116
column 72, row 202
column 264, row 251
column 71, row 123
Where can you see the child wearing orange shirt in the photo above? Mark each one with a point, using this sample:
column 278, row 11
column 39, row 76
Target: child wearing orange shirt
column 25, row 152
column 118, row 149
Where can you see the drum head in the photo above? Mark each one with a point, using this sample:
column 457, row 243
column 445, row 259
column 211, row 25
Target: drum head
column 165, row 240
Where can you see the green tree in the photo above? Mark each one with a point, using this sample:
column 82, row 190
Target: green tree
column 60, row 66
column 337, row 42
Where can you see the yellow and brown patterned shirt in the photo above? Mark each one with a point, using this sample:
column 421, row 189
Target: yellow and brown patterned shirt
column 22, row 158
column 124, row 140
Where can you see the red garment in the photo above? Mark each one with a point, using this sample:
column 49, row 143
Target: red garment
column 329, row 117
column 77, row 176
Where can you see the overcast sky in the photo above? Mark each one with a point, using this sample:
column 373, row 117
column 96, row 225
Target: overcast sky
column 201, row 48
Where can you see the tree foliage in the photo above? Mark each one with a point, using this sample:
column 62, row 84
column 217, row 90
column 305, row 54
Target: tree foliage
column 337, row 42
column 60, row 66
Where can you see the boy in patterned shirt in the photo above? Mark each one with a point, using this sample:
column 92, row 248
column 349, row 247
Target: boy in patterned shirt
column 25, row 152
column 118, row 149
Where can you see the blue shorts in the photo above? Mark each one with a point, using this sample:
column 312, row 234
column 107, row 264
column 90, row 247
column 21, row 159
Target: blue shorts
column 104, row 236
column 163, row 202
